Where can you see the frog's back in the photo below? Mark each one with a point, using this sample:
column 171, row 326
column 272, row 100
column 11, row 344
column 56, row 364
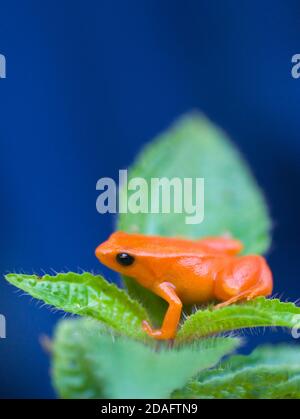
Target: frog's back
column 174, row 246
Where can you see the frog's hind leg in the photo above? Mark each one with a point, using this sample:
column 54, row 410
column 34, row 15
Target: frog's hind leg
column 246, row 295
column 243, row 279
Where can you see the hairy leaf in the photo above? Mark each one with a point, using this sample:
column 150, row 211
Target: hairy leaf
column 86, row 295
column 90, row 364
column 195, row 148
column 268, row 373
column 73, row 374
column 259, row 312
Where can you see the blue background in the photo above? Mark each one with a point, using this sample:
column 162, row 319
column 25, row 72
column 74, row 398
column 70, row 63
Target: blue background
column 88, row 82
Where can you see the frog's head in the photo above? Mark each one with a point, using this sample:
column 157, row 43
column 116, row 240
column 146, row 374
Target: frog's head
column 123, row 252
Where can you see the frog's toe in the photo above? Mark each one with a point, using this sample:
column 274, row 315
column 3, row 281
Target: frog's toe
column 147, row 328
column 154, row 333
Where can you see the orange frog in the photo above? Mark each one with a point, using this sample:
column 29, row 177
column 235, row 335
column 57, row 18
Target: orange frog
column 183, row 271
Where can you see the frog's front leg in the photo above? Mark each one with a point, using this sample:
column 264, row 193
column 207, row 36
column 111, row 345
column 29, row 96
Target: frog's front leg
column 168, row 330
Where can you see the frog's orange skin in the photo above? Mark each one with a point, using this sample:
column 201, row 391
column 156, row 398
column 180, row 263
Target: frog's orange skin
column 185, row 271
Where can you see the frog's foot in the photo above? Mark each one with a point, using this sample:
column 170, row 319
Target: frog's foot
column 231, row 301
column 156, row 333
column 252, row 295
column 243, row 296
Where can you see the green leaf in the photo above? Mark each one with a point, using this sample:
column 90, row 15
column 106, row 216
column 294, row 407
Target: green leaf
column 233, row 203
column 90, row 364
column 86, row 295
column 260, row 312
column 268, row 373
column 73, row 374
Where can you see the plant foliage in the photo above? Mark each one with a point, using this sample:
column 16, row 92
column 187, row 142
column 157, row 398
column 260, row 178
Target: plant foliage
column 105, row 353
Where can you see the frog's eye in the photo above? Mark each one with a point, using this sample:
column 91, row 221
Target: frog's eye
column 124, row 259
